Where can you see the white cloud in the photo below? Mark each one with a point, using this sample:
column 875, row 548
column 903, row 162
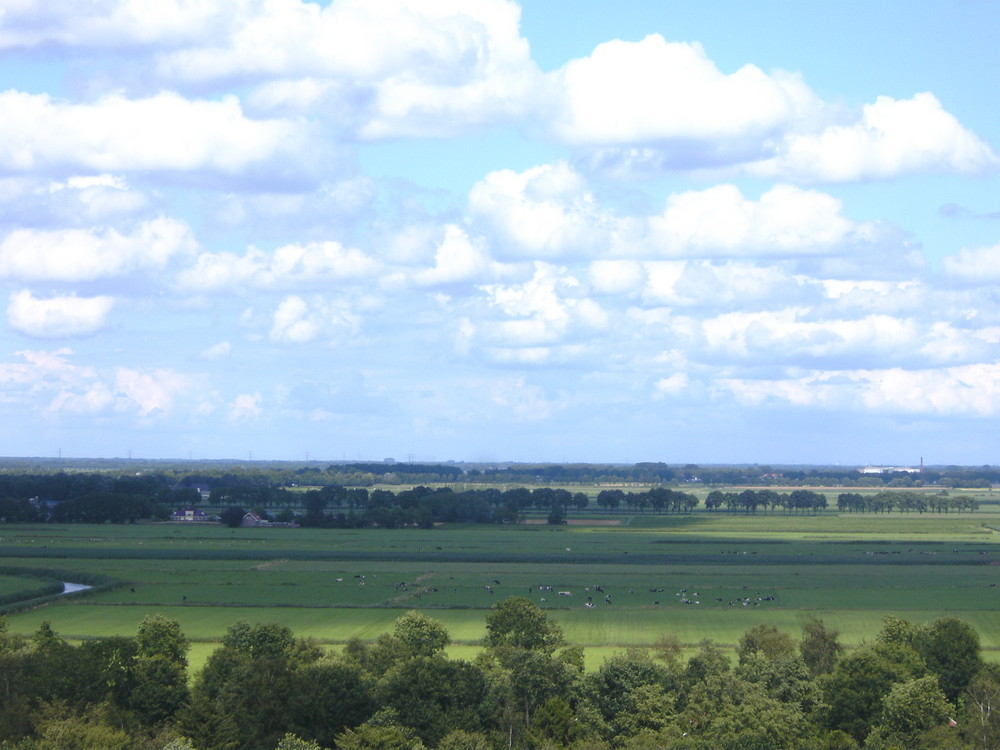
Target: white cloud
column 653, row 106
column 543, row 212
column 287, row 267
column 654, row 90
column 892, row 137
column 544, row 311
column 383, row 68
column 780, row 334
column 148, row 392
column 84, row 255
column 709, row 285
column 674, row 384
column 616, row 276
column 51, row 383
column 719, row 221
column 297, row 321
column 164, row 132
column 246, row 406
column 972, row 390
column 57, row 317
column 218, row 351
column 458, row 258
column 27, row 24
column 522, row 401
column 979, row 265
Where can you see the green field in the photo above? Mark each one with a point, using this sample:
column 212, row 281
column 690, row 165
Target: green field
column 733, row 571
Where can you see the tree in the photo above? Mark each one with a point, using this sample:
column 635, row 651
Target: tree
column 372, row 737
column 520, row 623
column 819, row 647
column 982, row 708
column 420, row 634
column 951, row 649
column 232, row 516
column 433, row 695
column 785, row 678
column 631, row 692
column 158, row 635
column 326, row 697
column 292, row 742
column 462, row 740
column 911, row 708
column 726, row 712
column 555, row 724
column 856, row 688
column 766, row 640
column 161, row 688
column 258, row 641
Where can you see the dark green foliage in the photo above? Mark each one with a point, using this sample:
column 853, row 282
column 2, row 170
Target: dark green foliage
column 433, row 695
column 854, row 692
column 765, row 640
column 951, row 650
column 327, row 697
column 819, row 647
column 520, row 623
column 232, row 516
column 264, row 689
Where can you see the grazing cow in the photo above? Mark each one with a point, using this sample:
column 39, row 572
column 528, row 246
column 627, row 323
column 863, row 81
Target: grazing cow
column 565, row 593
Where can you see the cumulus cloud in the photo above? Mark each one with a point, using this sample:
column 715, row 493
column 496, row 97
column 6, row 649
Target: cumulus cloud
column 71, row 255
column 164, row 132
column 289, row 266
column 647, row 107
column 655, row 91
column 720, row 221
column 892, row 137
column 979, row 265
column 61, row 387
column 383, row 69
column 298, row 321
column 27, row 24
column 549, row 212
column 246, row 406
column 522, row 401
column 547, row 310
column 964, row 390
column 458, row 258
column 149, row 392
column 543, row 212
column 217, row 351
column 57, row 317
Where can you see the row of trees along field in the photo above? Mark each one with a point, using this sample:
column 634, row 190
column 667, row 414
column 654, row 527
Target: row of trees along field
column 58, row 478
column 904, row 502
column 913, row 686
column 337, row 506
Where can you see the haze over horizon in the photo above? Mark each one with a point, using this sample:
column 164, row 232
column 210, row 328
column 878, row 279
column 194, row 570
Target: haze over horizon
column 483, row 230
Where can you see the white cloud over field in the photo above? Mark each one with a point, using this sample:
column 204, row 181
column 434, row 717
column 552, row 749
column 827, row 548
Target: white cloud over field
column 252, row 217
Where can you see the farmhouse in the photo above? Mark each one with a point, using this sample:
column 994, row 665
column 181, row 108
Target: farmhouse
column 190, row 515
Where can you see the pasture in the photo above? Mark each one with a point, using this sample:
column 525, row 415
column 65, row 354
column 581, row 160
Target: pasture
column 707, row 575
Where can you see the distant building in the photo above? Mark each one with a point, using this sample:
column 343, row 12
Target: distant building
column 190, row 515
column 889, row 470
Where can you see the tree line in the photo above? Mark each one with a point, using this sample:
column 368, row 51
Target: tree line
column 913, row 686
column 904, row 502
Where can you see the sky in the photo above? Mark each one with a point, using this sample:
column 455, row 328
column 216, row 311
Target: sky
column 483, row 230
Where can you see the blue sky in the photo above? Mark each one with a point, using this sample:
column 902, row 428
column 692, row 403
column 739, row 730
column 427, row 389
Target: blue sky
column 486, row 231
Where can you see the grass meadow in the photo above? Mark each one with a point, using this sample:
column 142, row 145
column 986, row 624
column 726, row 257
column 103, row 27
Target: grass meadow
column 708, row 575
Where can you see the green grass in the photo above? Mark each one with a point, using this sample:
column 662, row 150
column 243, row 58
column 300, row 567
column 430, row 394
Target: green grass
column 850, row 570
